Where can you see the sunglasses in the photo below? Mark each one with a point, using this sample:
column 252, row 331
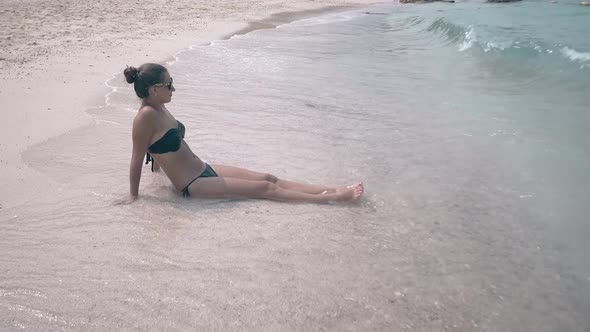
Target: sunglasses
column 169, row 84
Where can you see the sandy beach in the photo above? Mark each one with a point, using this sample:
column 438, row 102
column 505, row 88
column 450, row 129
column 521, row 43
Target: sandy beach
column 55, row 57
column 449, row 236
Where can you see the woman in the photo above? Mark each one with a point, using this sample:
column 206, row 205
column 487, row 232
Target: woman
column 157, row 133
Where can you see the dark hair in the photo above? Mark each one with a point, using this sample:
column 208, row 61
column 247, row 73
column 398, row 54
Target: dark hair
column 143, row 77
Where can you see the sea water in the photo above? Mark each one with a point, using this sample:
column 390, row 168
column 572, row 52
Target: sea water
column 467, row 122
column 496, row 94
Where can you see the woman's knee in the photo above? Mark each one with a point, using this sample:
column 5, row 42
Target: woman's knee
column 261, row 189
column 270, row 178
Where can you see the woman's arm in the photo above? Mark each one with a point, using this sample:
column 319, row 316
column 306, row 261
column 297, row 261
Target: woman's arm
column 141, row 134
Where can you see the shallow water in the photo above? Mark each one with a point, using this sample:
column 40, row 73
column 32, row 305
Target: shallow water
column 472, row 147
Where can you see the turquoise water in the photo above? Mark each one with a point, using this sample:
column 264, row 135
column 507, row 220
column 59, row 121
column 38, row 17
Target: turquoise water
column 523, row 69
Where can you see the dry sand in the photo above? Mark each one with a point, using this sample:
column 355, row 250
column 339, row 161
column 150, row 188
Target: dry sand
column 56, row 55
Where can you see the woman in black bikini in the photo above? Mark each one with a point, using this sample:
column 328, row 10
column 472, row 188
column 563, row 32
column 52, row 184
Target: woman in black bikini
column 157, row 133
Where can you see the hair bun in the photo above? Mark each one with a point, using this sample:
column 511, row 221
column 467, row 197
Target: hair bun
column 130, row 74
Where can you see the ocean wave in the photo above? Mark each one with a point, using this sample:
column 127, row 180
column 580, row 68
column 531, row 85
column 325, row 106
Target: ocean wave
column 450, row 31
column 574, row 55
column 412, row 21
column 470, row 38
column 465, row 36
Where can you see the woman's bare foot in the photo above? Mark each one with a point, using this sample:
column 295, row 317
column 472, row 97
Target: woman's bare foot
column 351, row 193
column 338, row 189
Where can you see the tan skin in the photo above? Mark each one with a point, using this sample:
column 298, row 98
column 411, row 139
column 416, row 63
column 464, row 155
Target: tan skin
column 153, row 120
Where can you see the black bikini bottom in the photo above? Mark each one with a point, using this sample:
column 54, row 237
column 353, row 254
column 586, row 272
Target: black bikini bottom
column 207, row 173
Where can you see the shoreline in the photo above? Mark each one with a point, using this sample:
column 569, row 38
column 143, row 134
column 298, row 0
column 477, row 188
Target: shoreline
column 279, row 18
column 49, row 89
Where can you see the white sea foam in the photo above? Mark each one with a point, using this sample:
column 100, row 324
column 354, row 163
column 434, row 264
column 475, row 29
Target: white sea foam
column 470, row 39
column 107, row 97
column 495, row 45
column 575, row 55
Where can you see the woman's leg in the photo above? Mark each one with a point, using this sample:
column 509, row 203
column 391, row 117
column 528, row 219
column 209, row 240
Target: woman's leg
column 244, row 174
column 225, row 187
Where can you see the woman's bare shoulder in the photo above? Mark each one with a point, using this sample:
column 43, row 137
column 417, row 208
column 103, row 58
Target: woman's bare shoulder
column 146, row 111
column 146, row 115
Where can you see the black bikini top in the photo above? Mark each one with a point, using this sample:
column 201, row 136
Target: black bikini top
column 170, row 142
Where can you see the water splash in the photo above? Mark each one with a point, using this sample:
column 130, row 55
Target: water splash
column 469, row 40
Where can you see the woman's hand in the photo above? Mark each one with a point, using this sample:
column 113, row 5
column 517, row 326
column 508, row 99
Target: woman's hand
column 125, row 200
